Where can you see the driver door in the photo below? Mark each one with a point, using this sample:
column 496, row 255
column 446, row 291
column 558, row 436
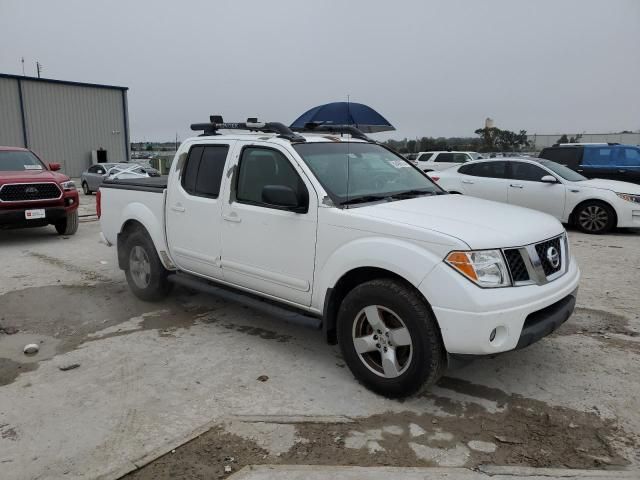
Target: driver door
column 266, row 248
column 526, row 189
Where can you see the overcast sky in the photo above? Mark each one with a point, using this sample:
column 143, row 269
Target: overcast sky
column 434, row 68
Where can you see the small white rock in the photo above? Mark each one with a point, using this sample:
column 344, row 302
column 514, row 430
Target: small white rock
column 103, row 262
column 480, row 446
column 227, row 469
column 416, row 430
column 31, row 349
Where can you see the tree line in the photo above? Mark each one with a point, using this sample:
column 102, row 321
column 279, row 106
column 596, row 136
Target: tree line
column 490, row 139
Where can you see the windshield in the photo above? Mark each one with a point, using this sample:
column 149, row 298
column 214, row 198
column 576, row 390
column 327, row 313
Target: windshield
column 354, row 172
column 564, row 172
column 19, row 160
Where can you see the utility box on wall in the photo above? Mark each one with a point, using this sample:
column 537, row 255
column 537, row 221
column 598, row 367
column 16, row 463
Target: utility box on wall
column 99, row 156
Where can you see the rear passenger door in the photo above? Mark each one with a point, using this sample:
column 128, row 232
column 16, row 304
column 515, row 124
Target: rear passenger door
column 485, row 180
column 193, row 209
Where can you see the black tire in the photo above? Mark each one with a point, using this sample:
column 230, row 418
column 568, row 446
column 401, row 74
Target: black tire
column 594, row 217
column 69, row 225
column 427, row 359
column 157, row 286
column 85, row 188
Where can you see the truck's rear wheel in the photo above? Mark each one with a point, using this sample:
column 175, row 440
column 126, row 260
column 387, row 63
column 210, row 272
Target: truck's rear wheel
column 69, row 225
column 146, row 276
column 389, row 338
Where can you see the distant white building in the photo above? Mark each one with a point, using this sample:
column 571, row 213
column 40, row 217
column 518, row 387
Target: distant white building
column 539, row 141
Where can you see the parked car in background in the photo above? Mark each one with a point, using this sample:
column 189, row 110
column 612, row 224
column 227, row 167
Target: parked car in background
column 594, row 206
column 92, row 178
column 33, row 194
column 475, row 155
column 402, row 275
column 598, row 160
column 436, row 161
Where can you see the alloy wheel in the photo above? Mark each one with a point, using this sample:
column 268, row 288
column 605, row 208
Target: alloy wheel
column 593, row 218
column 382, row 341
column 140, row 267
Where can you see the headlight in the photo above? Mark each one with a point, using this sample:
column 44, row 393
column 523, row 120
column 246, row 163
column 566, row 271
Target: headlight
column 485, row 268
column 67, row 186
column 629, row 198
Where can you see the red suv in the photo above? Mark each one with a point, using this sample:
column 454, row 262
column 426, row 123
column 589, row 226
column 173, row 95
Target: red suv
column 33, row 194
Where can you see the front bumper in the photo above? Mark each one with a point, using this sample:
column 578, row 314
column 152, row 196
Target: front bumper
column 628, row 214
column 15, row 216
column 476, row 321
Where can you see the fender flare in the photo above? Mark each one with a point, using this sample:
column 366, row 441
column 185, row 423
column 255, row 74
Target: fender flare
column 404, row 258
column 139, row 213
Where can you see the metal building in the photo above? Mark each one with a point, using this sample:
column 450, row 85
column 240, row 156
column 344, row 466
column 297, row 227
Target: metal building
column 64, row 121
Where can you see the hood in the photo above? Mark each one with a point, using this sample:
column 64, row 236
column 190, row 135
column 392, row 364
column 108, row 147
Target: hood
column 481, row 224
column 613, row 185
column 24, row 176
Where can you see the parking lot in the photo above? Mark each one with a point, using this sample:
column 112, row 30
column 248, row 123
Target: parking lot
column 119, row 383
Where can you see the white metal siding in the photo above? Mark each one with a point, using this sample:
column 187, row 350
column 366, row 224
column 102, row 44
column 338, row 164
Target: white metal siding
column 66, row 122
column 10, row 116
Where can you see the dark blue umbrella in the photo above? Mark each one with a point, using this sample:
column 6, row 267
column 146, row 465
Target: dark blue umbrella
column 361, row 116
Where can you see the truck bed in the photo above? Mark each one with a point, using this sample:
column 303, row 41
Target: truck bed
column 150, row 184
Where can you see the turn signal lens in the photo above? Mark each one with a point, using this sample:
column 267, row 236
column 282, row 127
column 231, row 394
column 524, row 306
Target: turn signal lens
column 485, row 268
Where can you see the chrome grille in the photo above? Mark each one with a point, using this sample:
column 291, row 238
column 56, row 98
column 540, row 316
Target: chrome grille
column 538, row 263
column 29, row 192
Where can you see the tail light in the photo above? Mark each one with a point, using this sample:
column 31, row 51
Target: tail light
column 434, row 178
column 99, row 203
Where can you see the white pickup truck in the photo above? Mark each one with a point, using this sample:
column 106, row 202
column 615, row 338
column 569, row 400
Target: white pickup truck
column 404, row 276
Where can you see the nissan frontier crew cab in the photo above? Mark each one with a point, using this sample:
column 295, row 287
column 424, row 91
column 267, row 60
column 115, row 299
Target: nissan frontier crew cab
column 404, row 276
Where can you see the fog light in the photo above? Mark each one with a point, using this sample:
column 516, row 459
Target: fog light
column 69, row 201
column 492, row 336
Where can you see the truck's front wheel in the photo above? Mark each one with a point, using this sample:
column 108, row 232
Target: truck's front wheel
column 68, row 226
column 146, row 276
column 389, row 338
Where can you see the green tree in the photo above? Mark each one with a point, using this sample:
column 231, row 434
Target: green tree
column 563, row 139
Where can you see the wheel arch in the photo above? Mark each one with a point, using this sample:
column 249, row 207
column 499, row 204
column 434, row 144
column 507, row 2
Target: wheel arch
column 350, row 280
column 572, row 215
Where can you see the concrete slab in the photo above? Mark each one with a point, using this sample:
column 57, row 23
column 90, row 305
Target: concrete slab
column 315, row 472
column 147, row 383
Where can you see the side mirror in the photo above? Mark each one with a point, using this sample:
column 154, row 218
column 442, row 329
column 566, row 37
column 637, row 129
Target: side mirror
column 54, row 167
column 549, row 179
column 284, row 197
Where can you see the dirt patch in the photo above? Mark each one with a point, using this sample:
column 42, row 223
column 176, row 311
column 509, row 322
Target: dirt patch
column 606, row 327
column 521, row 432
column 43, row 315
column 10, row 370
column 258, row 332
column 56, row 262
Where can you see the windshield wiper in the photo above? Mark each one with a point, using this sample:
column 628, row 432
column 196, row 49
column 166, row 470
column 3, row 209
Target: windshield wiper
column 415, row 193
column 365, row 199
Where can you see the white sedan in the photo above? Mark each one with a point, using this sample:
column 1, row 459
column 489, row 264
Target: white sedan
column 594, row 206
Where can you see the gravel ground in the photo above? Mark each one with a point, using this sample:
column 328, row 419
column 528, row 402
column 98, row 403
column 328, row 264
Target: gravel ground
column 259, row 391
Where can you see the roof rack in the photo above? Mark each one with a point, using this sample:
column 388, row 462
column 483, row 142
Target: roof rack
column 216, row 123
column 330, row 128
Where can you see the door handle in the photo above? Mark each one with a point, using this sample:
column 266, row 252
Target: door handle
column 467, row 181
column 232, row 217
column 516, row 185
column 178, row 208
column 579, row 170
column 622, row 171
